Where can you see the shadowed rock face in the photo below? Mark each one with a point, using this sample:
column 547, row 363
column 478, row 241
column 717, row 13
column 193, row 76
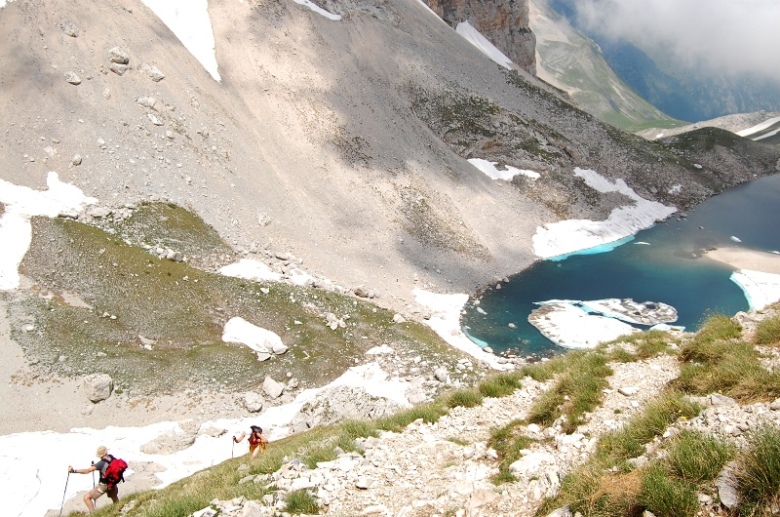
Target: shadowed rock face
column 504, row 22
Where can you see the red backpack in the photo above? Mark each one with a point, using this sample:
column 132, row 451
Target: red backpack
column 115, row 472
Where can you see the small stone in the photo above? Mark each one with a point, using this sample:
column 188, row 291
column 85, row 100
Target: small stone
column 118, row 56
column 73, row 78
column 70, row 29
column 152, row 72
column 76, row 160
column 118, row 69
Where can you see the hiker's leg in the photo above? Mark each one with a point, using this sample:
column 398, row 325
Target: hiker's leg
column 92, row 496
column 114, row 494
column 88, row 501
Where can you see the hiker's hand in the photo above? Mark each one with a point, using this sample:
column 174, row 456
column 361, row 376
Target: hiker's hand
column 234, row 440
column 71, row 470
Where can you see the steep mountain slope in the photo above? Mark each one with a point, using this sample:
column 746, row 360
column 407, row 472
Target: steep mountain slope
column 329, row 139
column 572, row 62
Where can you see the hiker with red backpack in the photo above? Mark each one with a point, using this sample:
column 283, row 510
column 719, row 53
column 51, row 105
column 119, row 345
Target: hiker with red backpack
column 111, row 472
column 257, row 441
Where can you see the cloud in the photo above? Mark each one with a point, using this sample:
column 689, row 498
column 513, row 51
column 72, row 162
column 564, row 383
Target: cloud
column 730, row 36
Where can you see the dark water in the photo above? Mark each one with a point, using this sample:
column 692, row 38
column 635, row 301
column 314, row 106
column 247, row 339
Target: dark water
column 668, row 269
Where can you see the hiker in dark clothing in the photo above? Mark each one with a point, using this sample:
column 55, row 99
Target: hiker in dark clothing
column 102, row 486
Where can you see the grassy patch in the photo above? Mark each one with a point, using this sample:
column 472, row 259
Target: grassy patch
column 578, row 391
column 646, row 344
column 428, row 413
column 716, row 361
column 103, row 305
column 605, row 485
column 628, row 442
column 463, row 398
column 768, row 332
column 354, row 429
column 499, row 385
column 758, row 473
column 665, row 495
column 697, row 458
column 301, row 502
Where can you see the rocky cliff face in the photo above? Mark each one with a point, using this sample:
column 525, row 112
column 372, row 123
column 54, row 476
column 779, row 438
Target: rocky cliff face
column 504, row 22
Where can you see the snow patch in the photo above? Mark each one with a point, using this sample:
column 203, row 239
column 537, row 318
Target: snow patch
column 446, row 323
column 474, row 37
column 189, row 21
column 22, row 203
column 319, row 10
column 573, row 235
column 761, row 289
column 489, row 168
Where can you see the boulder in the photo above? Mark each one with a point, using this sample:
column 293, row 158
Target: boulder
column 97, row 386
column 253, row 402
column 272, row 388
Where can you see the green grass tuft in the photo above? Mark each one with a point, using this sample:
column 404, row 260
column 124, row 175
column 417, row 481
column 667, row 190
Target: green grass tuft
column 463, row 398
column 301, row 502
column 665, row 495
column 500, row 385
column 427, row 412
column 758, row 472
column 578, row 391
column 697, row 458
column 728, row 367
column 768, row 332
column 354, row 429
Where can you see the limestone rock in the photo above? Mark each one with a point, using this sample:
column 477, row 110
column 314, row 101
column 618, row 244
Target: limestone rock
column 272, row 388
column 152, row 72
column 97, row 386
column 118, row 56
column 253, row 402
column 73, row 78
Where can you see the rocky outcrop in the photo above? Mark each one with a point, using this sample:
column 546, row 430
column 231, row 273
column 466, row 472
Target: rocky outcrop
column 504, row 22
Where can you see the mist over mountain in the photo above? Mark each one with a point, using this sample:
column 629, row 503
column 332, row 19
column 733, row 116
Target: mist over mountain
column 685, row 83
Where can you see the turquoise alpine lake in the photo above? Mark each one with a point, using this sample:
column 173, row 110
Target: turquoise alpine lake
column 665, row 263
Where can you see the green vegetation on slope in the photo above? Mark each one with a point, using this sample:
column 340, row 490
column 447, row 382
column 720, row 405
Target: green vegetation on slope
column 103, row 305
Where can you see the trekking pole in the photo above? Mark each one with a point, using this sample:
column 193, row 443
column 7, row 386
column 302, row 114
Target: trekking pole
column 233, row 446
column 64, row 492
column 93, row 476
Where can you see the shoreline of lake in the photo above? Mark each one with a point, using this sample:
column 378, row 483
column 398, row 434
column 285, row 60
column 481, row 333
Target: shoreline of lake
column 740, row 258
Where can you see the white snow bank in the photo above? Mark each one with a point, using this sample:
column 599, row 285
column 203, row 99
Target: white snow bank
column 490, row 169
column 572, row 235
column 759, row 127
column 761, row 289
column 249, row 269
column 319, row 10
column 474, row 37
column 189, row 21
column 445, row 321
column 30, row 489
column 262, row 341
column 22, row 203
